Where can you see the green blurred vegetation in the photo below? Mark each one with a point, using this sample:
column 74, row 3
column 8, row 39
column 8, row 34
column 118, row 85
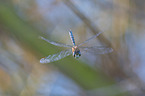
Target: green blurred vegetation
column 23, row 76
column 30, row 38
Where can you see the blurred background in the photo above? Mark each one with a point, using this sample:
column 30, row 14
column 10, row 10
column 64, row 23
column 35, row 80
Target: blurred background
column 120, row 73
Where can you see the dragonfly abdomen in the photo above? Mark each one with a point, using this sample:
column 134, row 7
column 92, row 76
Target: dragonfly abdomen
column 72, row 37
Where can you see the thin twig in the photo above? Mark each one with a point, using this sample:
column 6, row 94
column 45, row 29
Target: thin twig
column 113, row 56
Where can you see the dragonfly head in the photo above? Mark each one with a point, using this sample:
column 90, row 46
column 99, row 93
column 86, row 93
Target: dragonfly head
column 76, row 52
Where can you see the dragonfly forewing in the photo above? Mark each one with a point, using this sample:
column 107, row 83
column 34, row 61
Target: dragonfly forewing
column 97, row 49
column 57, row 56
column 54, row 43
column 90, row 38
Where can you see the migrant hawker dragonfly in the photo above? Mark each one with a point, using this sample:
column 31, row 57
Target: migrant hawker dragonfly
column 74, row 49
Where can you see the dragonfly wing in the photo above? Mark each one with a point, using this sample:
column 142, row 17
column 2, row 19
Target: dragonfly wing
column 97, row 49
column 54, row 43
column 90, row 38
column 56, row 56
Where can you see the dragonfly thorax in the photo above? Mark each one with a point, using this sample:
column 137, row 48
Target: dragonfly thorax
column 76, row 52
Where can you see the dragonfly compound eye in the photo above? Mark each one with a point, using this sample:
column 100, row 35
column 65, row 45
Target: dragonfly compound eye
column 77, row 56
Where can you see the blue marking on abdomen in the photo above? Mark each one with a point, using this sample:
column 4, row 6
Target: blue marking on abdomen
column 72, row 37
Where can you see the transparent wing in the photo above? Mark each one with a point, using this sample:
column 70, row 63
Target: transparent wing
column 90, row 38
column 54, row 43
column 97, row 49
column 56, row 56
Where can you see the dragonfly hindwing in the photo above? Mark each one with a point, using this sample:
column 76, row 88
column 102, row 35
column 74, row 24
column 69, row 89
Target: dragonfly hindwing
column 56, row 56
column 97, row 49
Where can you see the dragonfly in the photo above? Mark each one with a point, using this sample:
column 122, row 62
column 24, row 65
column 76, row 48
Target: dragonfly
column 74, row 49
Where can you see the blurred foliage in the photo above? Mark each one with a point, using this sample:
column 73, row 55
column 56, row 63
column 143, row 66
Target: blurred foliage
column 119, row 73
